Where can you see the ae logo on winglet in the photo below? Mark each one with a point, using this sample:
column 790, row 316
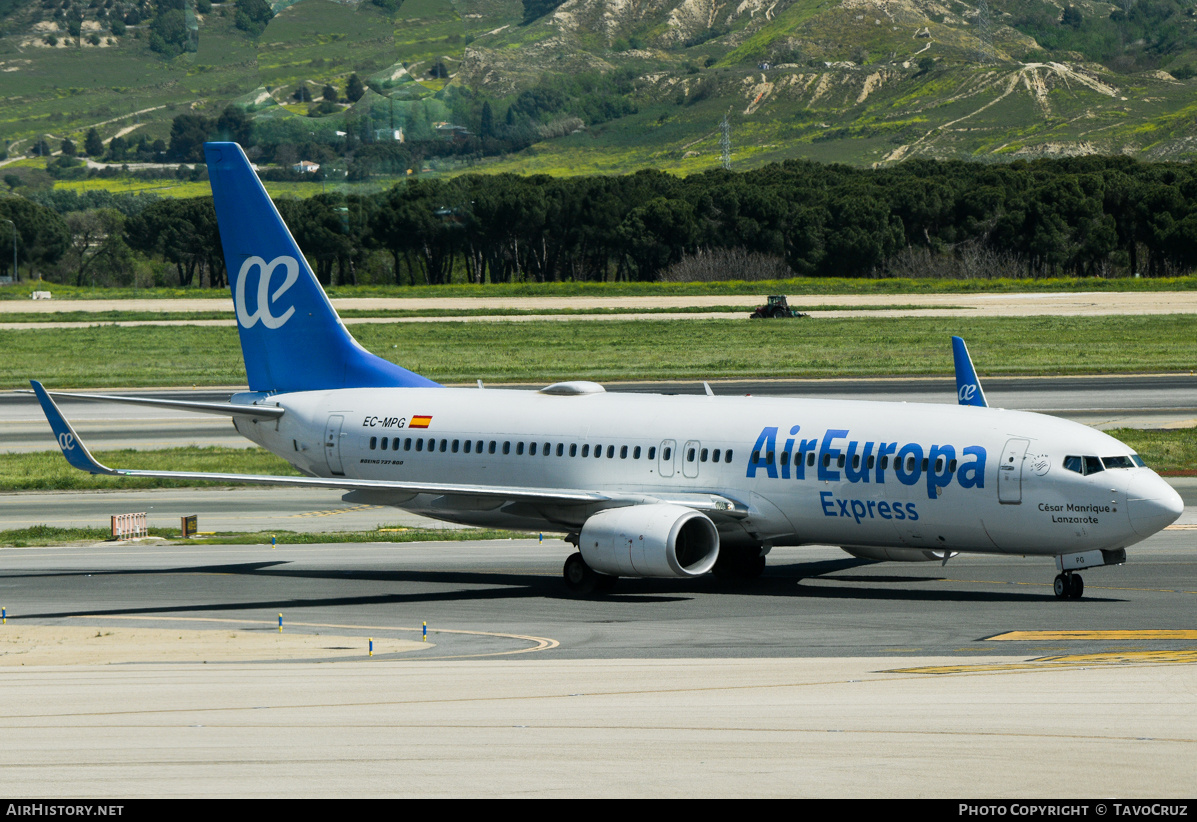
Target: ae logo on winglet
column 265, row 298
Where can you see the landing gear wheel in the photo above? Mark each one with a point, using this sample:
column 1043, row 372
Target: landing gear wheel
column 583, row 580
column 580, row 578
column 1069, row 586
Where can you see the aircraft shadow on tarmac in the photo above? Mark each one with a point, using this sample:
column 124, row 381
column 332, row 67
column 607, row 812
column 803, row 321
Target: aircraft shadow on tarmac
column 462, row 586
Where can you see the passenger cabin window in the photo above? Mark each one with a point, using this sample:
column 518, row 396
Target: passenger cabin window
column 636, row 453
column 652, row 453
column 373, row 443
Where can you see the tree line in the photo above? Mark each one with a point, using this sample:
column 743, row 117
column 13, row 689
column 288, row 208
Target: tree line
column 1089, row 216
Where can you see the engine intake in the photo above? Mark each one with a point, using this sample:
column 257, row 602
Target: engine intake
column 658, row 540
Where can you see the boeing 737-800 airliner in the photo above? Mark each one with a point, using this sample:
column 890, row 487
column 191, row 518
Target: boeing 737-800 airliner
column 650, row 485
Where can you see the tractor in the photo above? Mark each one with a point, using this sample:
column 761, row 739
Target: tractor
column 778, row 306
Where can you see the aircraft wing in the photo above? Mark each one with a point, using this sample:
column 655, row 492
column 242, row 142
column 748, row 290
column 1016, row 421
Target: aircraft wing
column 80, row 457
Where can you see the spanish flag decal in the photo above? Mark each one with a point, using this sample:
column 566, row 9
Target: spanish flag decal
column 420, row 422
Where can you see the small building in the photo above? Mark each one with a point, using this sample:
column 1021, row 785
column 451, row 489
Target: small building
column 305, row 167
column 448, row 131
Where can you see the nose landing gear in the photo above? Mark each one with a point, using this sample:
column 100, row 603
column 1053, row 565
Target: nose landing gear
column 1069, row 586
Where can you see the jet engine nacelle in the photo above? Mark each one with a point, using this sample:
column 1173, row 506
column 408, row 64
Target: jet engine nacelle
column 658, row 540
column 884, row 554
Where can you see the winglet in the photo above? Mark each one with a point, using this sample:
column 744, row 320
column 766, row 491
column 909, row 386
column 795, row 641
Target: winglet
column 968, row 387
column 73, row 449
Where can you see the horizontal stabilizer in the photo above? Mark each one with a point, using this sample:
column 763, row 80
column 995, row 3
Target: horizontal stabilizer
column 225, row 409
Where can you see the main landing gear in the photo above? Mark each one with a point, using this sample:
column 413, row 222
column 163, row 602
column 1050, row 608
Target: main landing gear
column 583, row 580
column 1069, row 585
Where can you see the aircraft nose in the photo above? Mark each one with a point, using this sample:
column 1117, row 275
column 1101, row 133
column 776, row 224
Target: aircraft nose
column 1152, row 504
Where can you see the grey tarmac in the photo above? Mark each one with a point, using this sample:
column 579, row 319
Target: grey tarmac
column 828, row 677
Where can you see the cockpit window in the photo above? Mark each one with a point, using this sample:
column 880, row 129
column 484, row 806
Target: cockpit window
column 1117, row 462
column 1138, row 460
column 1083, row 465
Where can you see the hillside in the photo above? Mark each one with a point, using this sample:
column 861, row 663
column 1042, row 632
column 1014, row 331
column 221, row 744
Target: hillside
column 614, row 85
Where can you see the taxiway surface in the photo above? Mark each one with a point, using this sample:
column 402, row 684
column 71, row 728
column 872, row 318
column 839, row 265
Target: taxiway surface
column 145, row 670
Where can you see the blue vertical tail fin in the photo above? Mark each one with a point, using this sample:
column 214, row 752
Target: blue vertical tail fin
column 291, row 338
column 968, row 387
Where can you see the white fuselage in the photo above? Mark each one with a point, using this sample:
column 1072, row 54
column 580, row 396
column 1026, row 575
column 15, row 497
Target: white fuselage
column 930, row 477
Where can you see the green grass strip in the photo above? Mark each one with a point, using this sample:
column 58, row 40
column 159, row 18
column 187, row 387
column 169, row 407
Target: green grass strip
column 49, row 471
column 108, row 356
column 109, row 317
column 1170, row 452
